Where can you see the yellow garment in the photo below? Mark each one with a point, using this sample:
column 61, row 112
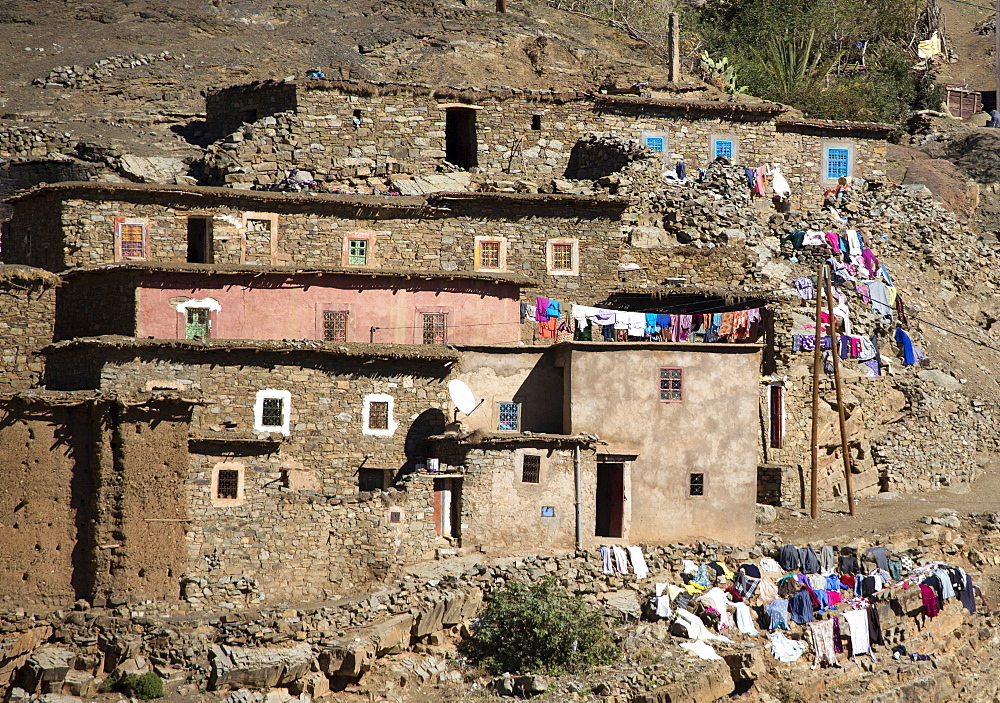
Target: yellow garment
column 929, row 48
column 694, row 588
column 725, row 571
column 673, row 591
column 891, row 293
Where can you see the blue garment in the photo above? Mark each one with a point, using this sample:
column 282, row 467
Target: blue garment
column 777, row 614
column 682, row 170
column 651, row 326
column 908, row 357
column 606, row 332
column 823, row 598
column 833, row 583
column 663, row 321
column 553, row 309
column 887, row 277
column 801, row 608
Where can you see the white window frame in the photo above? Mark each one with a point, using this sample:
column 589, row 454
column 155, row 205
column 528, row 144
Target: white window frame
column 825, row 163
column 366, row 409
column 724, row 138
column 286, row 415
column 665, row 152
column 240, row 485
column 550, row 257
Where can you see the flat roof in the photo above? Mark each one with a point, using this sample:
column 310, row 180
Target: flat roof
column 427, row 204
column 361, row 350
column 244, row 269
column 483, row 437
column 836, row 126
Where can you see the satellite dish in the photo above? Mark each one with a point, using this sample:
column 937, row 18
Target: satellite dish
column 461, row 396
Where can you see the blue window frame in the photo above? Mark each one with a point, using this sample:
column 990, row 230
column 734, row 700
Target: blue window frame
column 655, row 143
column 723, row 147
column 838, row 163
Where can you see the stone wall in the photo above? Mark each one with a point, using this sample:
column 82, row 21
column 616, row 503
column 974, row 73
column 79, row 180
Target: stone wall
column 20, row 141
column 333, row 537
column 28, row 297
column 341, row 131
column 226, row 110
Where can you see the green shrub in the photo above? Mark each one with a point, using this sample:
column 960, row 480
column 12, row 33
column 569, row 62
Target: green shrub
column 541, row 628
column 146, row 687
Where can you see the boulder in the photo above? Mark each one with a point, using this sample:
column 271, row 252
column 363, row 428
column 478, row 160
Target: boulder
column 461, row 606
column 233, row 667
column 766, row 514
column 348, row 657
column 391, row 636
column 940, row 378
column 46, row 665
column 151, row 169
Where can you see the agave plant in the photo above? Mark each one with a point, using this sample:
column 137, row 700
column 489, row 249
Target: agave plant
column 793, row 66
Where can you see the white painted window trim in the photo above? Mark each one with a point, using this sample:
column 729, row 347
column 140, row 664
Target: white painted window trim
column 286, row 415
column 379, row 398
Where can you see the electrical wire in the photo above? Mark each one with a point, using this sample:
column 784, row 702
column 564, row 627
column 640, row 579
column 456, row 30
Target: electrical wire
column 966, row 2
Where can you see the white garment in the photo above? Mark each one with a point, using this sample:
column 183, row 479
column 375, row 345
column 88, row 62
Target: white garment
column 688, row 567
column 853, row 242
column 696, row 629
column 701, row 649
column 621, row 320
column 717, row 599
column 867, row 349
column 621, row 560
column 744, row 619
column 784, row 649
column 857, row 621
column 778, row 182
column 606, row 558
column 638, row 562
column 769, row 564
column 662, row 602
column 582, row 312
column 813, row 238
column 636, row 322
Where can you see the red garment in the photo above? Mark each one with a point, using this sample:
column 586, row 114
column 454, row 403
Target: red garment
column 549, row 327
column 834, row 597
column 848, row 581
column 929, row 597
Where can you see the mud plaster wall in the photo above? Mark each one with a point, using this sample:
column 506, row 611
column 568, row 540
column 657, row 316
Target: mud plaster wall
column 35, row 234
column 89, row 306
column 26, row 325
column 501, row 514
column 712, row 431
column 142, row 504
column 46, row 490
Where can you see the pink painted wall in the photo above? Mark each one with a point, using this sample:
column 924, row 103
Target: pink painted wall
column 276, row 306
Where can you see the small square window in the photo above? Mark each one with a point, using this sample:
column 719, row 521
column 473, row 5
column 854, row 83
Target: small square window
column 536, row 122
column 272, row 412
column 838, row 163
column 510, row 417
column 562, row 257
column 655, row 143
column 196, row 323
column 489, row 255
column 357, row 252
column 435, row 328
column 395, row 517
column 228, row 484
column 335, row 325
column 723, row 147
column 531, row 468
column 696, row 486
column 378, row 415
column 132, row 240
column 671, row 385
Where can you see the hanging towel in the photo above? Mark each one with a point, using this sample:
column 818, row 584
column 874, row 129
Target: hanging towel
column 826, row 560
column 767, row 591
column 717, row 599
column 769, row 564
column 821, row 636
column 813, row 238
column 604, row 317
column 853, row 243
column 638, row 562
column 857, row 621
column 701, row 649
column 554, row 309
column 744, row 619
column 621, row 559
column 606, row 559
column 582, row 312
column 784, row 649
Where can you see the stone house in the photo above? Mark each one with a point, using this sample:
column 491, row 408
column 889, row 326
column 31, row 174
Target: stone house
column 338, row 130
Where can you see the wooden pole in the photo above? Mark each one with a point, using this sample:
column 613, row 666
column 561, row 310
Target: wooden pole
column 502, row 5
column 814, row 473
column 834, row 352
column 996, row 55
column 674, row 45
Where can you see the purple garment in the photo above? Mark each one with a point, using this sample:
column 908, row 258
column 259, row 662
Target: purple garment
column 873, row 369
column 605, row 317
column 871, row 261
column 863, row 292
column 541, row 309
column 681, row 329
column 838, row 645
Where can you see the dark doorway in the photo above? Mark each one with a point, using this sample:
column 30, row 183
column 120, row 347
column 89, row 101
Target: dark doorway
column 610, row 499
column 199, row 240
column 447, row 506
column 460, row 137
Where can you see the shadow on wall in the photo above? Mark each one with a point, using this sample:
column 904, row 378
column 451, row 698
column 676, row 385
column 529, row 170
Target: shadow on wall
column 541, row 397
column 429, row 422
